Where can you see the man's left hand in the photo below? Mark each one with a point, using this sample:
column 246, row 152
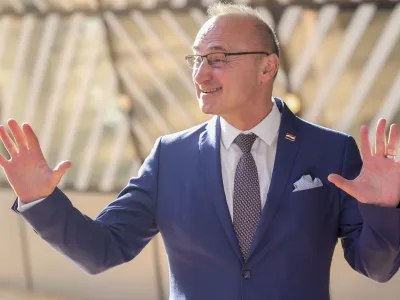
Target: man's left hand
column 379, row 180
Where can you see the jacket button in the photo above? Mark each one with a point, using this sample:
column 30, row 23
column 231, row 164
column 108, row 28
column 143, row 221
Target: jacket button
column 246, row 274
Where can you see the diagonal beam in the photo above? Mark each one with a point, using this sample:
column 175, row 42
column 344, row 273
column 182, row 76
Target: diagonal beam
column 28, row 24
column 325, row 19
column 206, row 3
column 288, row 22
column 150, row 33
column 66, row 5
column 17, row 5
column 142, row 99
column 56, row 96
column 376, row 61
column 80, row 100
column 148, row 4
column 198, row 16
column 169, row 18
column 41, row 5
column 354, row 33
column 389, row 108
column 142, row 134
column 119, row 4
column 84, row 173
column 178, row 3
column 93, row 4
column 39, row 70
column 136, row 164
column 4, row 33
column 121, row 138
column 159, row 84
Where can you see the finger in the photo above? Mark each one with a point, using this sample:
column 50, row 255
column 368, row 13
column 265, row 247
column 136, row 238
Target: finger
column 33, row 142
column 19, row 136
column 365, row 143
column 380, row 139
column 8, row 142
column 343, row 184
column 61, row 169
column 391, row 148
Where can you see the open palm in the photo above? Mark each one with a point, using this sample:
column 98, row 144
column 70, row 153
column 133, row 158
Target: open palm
column 379, row 180
column 27, row 170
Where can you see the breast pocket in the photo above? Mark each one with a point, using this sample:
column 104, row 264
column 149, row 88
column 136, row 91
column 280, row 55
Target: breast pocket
column 311, row 206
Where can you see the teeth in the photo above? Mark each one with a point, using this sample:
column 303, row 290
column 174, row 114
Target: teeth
column 212, row 90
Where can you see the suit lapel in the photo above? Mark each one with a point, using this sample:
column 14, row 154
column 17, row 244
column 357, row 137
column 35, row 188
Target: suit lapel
column 284, row 161
column 210, row 165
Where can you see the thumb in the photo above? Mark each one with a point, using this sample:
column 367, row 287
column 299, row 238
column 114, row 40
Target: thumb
column 61, row 169
column 340, row 182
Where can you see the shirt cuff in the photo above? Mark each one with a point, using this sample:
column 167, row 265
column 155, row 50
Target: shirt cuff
column 25, row 206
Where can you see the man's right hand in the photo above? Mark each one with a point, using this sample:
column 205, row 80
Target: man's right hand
column 27, row 170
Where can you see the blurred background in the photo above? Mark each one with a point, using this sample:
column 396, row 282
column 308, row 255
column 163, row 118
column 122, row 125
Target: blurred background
column 100, row 80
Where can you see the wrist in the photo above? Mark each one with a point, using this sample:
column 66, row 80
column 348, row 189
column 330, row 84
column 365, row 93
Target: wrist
column 27, row 200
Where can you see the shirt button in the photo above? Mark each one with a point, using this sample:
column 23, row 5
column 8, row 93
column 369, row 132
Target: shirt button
column 246, row 274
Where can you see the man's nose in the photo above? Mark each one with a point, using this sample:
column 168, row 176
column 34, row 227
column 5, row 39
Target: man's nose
column 202, row 73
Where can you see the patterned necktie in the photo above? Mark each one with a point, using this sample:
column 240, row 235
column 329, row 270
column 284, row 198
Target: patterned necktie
column 246, row 195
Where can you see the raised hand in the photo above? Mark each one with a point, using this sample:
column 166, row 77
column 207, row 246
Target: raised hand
column 27, row 170
column 379, row 180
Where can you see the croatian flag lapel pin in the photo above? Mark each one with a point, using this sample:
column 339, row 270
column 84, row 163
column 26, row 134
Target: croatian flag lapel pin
column 290, row 137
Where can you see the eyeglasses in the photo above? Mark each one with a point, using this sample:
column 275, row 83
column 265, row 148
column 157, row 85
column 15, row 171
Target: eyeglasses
column 216, row 59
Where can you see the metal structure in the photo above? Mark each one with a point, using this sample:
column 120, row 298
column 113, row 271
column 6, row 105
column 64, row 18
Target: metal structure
column 100, row 80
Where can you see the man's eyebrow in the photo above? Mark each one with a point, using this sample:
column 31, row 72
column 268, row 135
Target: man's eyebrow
column 218, row 48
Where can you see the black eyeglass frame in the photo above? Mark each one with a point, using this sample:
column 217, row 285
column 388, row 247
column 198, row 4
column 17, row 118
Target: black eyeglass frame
column 219, row 52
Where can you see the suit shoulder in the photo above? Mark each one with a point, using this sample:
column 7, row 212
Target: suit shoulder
column 321, row 131
column 192, row 133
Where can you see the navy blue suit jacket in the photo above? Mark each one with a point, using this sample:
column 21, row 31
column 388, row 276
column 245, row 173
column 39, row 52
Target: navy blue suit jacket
column 179, row 193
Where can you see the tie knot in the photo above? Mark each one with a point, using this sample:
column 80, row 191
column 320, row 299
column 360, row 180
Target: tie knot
column 245, row 141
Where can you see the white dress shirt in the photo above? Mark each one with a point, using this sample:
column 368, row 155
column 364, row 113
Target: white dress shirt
column 263, row 151
column 25, row 206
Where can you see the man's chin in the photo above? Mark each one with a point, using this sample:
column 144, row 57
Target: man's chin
column 208, row 109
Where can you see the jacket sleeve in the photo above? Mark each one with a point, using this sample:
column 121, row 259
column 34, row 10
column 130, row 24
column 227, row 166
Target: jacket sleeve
column 370, row 234
column 116, row 236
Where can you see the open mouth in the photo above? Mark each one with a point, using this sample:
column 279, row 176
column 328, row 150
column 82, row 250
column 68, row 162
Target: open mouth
column 210, row 91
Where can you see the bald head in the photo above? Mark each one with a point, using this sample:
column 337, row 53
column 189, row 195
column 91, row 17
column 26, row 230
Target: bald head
column 240, row 30
column 260, row 29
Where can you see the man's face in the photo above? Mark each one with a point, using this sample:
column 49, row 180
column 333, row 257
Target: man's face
column 226, row 89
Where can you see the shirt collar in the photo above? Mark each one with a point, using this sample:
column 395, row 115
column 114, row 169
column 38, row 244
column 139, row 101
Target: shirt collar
column 266, row 130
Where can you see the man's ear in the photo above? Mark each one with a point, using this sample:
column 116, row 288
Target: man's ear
column 269, row 67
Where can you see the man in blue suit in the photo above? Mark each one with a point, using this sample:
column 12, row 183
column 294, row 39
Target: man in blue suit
column 250, row 204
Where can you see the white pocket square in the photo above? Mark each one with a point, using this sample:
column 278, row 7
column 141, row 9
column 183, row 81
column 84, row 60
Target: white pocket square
column 306, row 183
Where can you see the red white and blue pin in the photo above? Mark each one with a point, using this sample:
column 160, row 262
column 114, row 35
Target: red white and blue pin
column 290, row 137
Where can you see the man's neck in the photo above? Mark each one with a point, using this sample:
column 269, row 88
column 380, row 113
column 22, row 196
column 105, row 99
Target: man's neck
column 246, row 120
